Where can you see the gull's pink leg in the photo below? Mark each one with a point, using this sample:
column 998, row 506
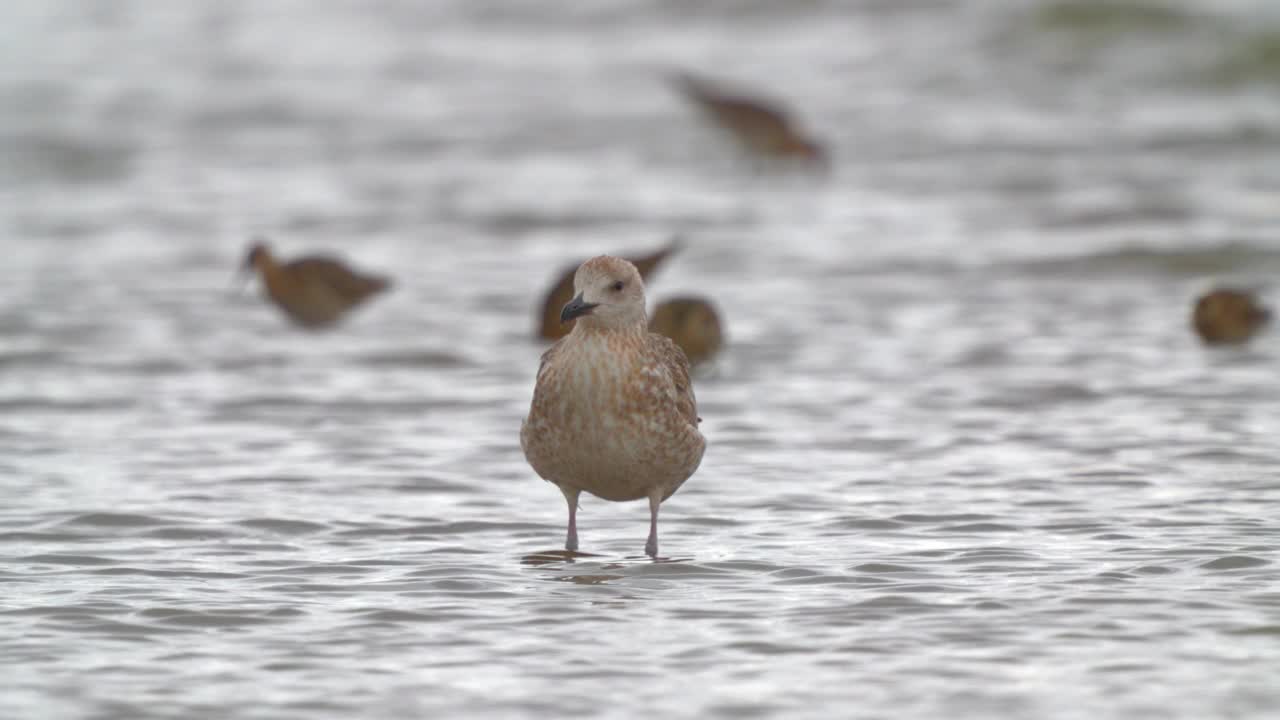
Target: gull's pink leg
column 651, row 545
column 571, row 537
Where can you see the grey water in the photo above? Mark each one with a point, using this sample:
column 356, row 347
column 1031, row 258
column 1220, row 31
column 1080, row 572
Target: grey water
column 965, row 457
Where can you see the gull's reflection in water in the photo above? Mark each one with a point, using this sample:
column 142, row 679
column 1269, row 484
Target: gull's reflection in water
column 547, row 557
column 586, row 579
column 555, row 559
column 600, row 573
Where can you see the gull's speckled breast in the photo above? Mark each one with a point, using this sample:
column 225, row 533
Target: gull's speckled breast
column 614, row 414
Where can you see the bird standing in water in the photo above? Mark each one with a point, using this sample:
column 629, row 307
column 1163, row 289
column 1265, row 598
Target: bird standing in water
column 1226, row 316
column 762, row 128
column 613, row 410
column 315, row 292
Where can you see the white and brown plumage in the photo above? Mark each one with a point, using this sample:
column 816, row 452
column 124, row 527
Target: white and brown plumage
column 313, row 291
column 613, row 410
column 761, row 127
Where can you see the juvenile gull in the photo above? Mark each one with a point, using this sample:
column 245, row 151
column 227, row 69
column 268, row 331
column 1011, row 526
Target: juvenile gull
column 613, row 410
column 313, row 291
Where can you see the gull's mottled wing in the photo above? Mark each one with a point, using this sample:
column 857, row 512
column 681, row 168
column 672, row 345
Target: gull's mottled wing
column 548, row 357
column 668, row 356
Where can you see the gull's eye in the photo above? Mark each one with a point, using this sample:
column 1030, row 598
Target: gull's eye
column 616, row 287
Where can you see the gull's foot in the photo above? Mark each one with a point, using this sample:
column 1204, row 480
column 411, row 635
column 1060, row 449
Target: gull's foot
column 651, row 547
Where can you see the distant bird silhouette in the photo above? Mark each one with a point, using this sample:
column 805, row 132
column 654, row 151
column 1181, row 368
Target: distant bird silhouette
column 550, row 327
column 313, row 291
column 694, row 325
column 1228, row 316
column 761, row 127
column 613, row 411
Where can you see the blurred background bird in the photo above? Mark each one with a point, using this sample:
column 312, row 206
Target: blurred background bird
column 762, row 127
column 1228, row 316
column 550, row 327
column 314, row 291
column 694, row 325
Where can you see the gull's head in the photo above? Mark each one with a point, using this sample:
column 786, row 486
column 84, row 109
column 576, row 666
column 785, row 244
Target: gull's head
column 609, row 295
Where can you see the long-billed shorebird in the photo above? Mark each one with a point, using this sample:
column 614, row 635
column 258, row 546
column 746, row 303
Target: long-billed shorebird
column 613, row 410
column 313, row 291
column 763, row 128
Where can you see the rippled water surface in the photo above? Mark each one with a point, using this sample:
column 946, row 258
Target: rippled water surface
column 965, row 460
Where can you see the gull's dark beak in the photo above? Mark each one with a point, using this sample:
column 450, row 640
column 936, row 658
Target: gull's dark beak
column 577, row 307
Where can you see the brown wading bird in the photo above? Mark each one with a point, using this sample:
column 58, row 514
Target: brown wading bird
column 613, row 410
column 761, row 127
column 313, row 291
column 1227, row 316
column 692, row 323
column 551, row 326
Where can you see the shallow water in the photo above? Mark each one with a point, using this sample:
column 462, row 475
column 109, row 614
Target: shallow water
column 966, row 459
